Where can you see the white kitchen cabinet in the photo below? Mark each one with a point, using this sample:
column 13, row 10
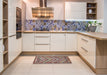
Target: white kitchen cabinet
column 1, row 56
column 92, row 52
column 58, row 41
column 12, row 17
column 28, row 42
column 19, row 45
column 71, row 42
column 42, row 41
column 75, row 10
column 12, row 48
column 87, row 49
column 1, row 6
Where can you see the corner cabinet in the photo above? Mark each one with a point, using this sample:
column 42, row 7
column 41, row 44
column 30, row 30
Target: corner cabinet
column 1, row 56
column 87, row 49
column 28, row 42
column 58, row 41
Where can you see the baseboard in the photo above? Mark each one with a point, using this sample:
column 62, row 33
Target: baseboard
column 101, row 71
column 91, row 67
column 10, row 64
column 49, row 53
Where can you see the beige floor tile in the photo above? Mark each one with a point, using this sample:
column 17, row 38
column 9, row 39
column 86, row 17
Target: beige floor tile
column 24, row 66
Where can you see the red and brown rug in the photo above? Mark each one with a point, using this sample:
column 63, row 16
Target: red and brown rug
column 51, row 60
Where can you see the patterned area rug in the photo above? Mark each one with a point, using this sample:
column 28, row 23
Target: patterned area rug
column 52, row 60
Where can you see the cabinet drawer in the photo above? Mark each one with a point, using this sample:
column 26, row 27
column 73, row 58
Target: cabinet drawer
column 42, row 34
column 41, row 47
column 42, row 40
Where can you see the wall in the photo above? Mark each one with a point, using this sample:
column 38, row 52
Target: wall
column 29, row 5
column 81, row 0
column 100, row 13
column 58, row 6
column 100, row 9
column 23, row 14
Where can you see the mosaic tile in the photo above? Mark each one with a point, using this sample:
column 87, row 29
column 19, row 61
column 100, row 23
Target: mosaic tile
column 48, row 25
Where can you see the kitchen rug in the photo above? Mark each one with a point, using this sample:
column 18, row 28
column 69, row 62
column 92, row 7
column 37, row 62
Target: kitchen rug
column 51, row 60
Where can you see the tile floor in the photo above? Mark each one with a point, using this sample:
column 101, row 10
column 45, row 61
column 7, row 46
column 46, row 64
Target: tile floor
column 23, row 66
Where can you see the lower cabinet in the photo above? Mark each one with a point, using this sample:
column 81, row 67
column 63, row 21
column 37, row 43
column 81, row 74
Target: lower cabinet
column 19, row 45
column 28, row 42
column 1, row 56
column 71, row 42
column 12, row 48
column 87, row 49
column 42, row 41
column 58, row 41
column 49, row 42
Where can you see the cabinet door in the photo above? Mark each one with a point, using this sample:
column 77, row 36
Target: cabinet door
column 1, row 19
column 19, row 45
column 28, row 42
column 75, row 10
column 71, row 42
column 58, row 42
column 12, row 17
column 1, row 56
column 92, row 52
column 12, row 49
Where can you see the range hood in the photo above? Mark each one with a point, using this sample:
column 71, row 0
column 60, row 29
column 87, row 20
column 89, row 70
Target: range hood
column 42, row 12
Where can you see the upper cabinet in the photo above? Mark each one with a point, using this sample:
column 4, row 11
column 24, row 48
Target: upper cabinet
column 75, row 10
column 91, row 10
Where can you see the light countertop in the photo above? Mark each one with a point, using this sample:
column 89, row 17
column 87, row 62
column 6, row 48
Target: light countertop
column 96, row 35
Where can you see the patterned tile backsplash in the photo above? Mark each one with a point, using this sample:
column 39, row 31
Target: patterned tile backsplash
column 48, row 25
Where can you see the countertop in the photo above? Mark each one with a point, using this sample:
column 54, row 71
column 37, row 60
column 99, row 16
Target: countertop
column 96, row 35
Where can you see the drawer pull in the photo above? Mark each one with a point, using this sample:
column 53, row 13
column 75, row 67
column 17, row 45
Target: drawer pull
column 84, row 40
column 42, row 44
column 84, row 49
column 42, row 36
column 12, row 35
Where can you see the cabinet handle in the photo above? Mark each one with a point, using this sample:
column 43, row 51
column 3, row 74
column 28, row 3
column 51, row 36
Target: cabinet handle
column 12, row 35
column 84, row 49
column 84, row 40
column 42, row 44
column 42, row 36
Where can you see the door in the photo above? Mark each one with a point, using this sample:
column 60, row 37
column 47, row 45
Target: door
column 58, row 42
column 19, row 45
column 12, row 17
column 12, row 48
column 28, row 42
column 71, row 42
column 1, row 56
column 75, row 10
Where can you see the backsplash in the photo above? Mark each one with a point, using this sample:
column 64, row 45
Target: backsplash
column 48, row 25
